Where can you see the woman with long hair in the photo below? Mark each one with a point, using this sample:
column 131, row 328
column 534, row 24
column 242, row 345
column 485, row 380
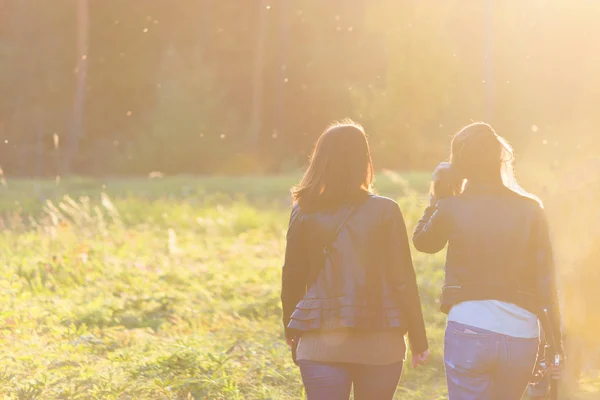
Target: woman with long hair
column 349, row 292
column 499, row 267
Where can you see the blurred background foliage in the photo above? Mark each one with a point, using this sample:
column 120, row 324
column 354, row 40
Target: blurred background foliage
column 123, row 87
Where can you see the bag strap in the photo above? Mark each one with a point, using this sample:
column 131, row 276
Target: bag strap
column 329, row 244
column 337, row 231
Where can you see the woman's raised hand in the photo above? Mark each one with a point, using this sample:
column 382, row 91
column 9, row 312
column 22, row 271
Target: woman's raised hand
column 440, row 170
column 420, row 359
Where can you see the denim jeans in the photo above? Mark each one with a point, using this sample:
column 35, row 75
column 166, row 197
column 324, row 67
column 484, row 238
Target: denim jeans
column 484, row 365
column 334, row 381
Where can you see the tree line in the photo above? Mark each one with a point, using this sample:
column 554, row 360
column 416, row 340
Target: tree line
column 212, row 86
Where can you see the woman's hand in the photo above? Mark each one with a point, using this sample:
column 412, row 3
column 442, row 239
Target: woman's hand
column 442, row 182
column 290, row 341
column 420, row 359
column 440, row 170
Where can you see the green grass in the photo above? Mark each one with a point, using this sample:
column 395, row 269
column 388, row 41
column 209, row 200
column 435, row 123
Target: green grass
column 164, row 289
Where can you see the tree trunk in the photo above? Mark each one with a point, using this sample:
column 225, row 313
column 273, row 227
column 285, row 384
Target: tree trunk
column 77, row 123
column 258, row 79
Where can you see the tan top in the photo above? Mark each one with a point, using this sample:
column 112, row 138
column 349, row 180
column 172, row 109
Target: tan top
column 382, row 347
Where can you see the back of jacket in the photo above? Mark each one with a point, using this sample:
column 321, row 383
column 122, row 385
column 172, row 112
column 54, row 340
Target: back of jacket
column 498, row 248
column 367, row 280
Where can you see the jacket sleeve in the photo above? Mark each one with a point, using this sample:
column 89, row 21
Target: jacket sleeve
column 404, row 281
column 546, row 273
column 432, row 231
column 295, row 270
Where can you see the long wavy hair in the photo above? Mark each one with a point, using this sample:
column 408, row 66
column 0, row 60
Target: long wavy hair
column 340, row 169
column 478, row 153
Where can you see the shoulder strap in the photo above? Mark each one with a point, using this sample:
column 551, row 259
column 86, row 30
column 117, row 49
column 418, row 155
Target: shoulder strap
column 337, row 231
column 328, row 245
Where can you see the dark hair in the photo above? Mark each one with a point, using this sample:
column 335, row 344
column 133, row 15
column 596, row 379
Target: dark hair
column 478, row 153
column 340, row 169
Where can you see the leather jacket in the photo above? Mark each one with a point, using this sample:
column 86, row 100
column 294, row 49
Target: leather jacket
column 367, row 281
column 498, row 249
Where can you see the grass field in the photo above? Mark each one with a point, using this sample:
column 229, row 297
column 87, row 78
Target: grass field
column 165, row 289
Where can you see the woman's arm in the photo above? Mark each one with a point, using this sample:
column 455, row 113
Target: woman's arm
column 432, row 231
column 295, row 270
column 404, row 281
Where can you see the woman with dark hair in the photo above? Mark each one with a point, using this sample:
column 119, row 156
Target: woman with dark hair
column 349, row 292
column 499, row 267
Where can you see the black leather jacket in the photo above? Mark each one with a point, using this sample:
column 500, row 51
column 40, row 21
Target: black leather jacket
column 498, row 249
column 368, row 282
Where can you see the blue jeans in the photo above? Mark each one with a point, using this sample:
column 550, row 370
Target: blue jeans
column 484, row 365
column 334, row 381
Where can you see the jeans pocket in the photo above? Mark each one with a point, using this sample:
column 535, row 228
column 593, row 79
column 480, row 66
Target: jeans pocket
column 522, row 352
column 469, row 351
